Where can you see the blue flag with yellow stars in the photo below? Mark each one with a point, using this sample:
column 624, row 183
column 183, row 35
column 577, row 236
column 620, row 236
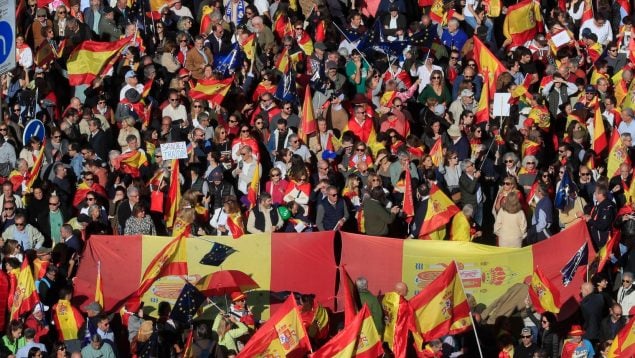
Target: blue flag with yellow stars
column 217, row 255
column 190, row 299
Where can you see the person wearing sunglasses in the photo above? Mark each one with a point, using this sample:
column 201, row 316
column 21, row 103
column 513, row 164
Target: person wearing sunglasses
column 26, row 234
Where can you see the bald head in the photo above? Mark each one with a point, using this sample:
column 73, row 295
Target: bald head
column 401, row 288
column 586, row 289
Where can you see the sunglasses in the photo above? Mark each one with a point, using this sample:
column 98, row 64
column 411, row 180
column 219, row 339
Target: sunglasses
column 11, row 208
column 173, row 99
column 436, row 77
column 534, row 163
column 19, row 224
column 526, row 336
column 360, row 149
column 197, row 106
column 507, row 183
column 454, row 58
column 626, row 281
column 275, row 175
column 244, row 131
column 584, row 174
column 53, row 204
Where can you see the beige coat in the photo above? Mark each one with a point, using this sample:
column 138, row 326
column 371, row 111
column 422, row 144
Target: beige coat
column 510, row 228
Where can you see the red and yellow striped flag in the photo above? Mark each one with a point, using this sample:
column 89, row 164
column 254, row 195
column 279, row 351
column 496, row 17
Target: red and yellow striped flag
column 604, row 254
column 130, row 162
column 87, row 61
column 599, row 133
column 212, row 90
column 350, row 303
column 440, row 211
column 461, row 228
column 359, row 338
column 99, row 291
column 441, row 308
column 436, row 152
column 543, row 294
column 174, row 193
column 25, row 296
column 67, row 320
column 249, row 47
column 482, row 110
column 523, row 22
column 35, row 171
column 307, row 122
column 617, row 155
column 254, row 187
column 282, row 335
column 486, row 60
column 624, row 343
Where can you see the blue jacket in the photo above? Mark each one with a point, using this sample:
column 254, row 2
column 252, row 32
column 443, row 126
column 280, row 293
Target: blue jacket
column 454, row 41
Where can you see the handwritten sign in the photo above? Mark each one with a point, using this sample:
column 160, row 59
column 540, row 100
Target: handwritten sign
column 176, row 150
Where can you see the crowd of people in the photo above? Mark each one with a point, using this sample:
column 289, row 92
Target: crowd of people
column 397, row 92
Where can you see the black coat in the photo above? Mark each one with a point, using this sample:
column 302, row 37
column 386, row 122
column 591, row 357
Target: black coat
column 592, row 308
column 606, row 333
column 100, row 143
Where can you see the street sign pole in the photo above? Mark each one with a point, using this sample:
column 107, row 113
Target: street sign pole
column 7, row 40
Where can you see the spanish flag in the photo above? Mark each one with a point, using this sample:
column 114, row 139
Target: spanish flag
column 286, row 59
column 482, row 110
column 254, row 187
column 130, row 162
column 621, row 90
column 16, row 178
column 99, row 291
column 39, row 268
column 436, row 152
column 408, row 205
column 624, row 343
column 440, row 211
column 156, row 5
column 350, row 301
column 461, row 228
column 174, row 194
column 44, row 54
column 522, row 22
column 306, row 44
column 544, row 295
column 604, row 254
column 599, row 133
column 35, row 171
column 282, row 26
column 441, row 308
column 83, row 189
column 617, row 155
column 67, row 320
column 212, row 90
column 307, row 121
column 249, row 47
column 281, row 336
column 235, row 224
column 400, row 320
column 359, row 338
column 486, row 60
column 87, row 61
column 530, row 148
column 170, row 261
column 25, row 294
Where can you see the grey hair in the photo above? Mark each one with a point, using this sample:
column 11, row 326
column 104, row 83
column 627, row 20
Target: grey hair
column 403, row 155
column 510, row 155
column 132, row 190
column 627, row 274
column 361, row 283
column 113, row 154
column 465, row 163
column 530, row 158
column 468, row 210
column 628, row 111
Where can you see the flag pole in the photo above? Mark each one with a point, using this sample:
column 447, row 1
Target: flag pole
column 350, row 42
column 478, row 342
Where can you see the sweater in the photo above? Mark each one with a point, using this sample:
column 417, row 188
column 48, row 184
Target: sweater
column 376, row 218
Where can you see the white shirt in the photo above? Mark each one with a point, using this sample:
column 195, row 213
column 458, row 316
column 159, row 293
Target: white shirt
column 302, row 151
column 25, row 58
column 122, row 93
column 604, row 33
column 183, row 11
column 627, row 128
column 175, row 113
column 423, row 73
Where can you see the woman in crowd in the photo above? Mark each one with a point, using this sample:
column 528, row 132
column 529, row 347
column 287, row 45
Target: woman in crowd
column 139, row 223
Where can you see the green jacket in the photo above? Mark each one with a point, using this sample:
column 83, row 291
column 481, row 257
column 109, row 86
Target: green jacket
column 376, row 218
column 375, row 309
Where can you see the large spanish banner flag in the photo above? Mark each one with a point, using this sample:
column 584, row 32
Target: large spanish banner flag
column 487, row 272
column 88, row 60
column 278, row 262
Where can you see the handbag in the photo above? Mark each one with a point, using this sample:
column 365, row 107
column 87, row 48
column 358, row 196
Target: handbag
column 156, row 201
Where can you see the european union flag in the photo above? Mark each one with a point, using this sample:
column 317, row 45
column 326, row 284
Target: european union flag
column 286, row 90
column 580, row 258
column 229, row 63
column 217, row 255
column 190, row 299
column 562, row 196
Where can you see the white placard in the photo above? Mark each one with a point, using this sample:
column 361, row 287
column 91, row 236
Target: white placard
column 176, row 150
column 501, row 104
column 561, row 38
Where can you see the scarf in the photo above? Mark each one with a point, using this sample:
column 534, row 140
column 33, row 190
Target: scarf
column 240, row 9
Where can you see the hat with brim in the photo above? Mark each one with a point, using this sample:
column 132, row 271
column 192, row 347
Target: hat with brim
column 43, row 251
column 576, row 331
column 237, row 296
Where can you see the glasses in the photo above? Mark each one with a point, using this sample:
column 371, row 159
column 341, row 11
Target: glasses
column 454, row 157
column 57, row 136
column 10, row 208
column 526, row 336
column 398, row 105
column 173, row 99
column 360, row 149
column 584, row 174
column 294, row 141
column 62, row 12
column 531, row 163
column 89, row 179
column 243, row 153
column 233, row 121
column 454, row 58
column 61, row 349
column 259, row 123
column 545, row 175
column 275, row 175
column 90, row 199
column 183, row 41
column 612, row 49
column 471, row 64
column 436, row 77
column 333, row 195
column 16, row 109
column 299, row 28
column 287, row 108
column 244, row 131
column 197, row 106
column 302, row 179
column 468, row 77
column 626, row 281
column 53, row 204
column 507, row 183
column 19, row 224
column 3, row 129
